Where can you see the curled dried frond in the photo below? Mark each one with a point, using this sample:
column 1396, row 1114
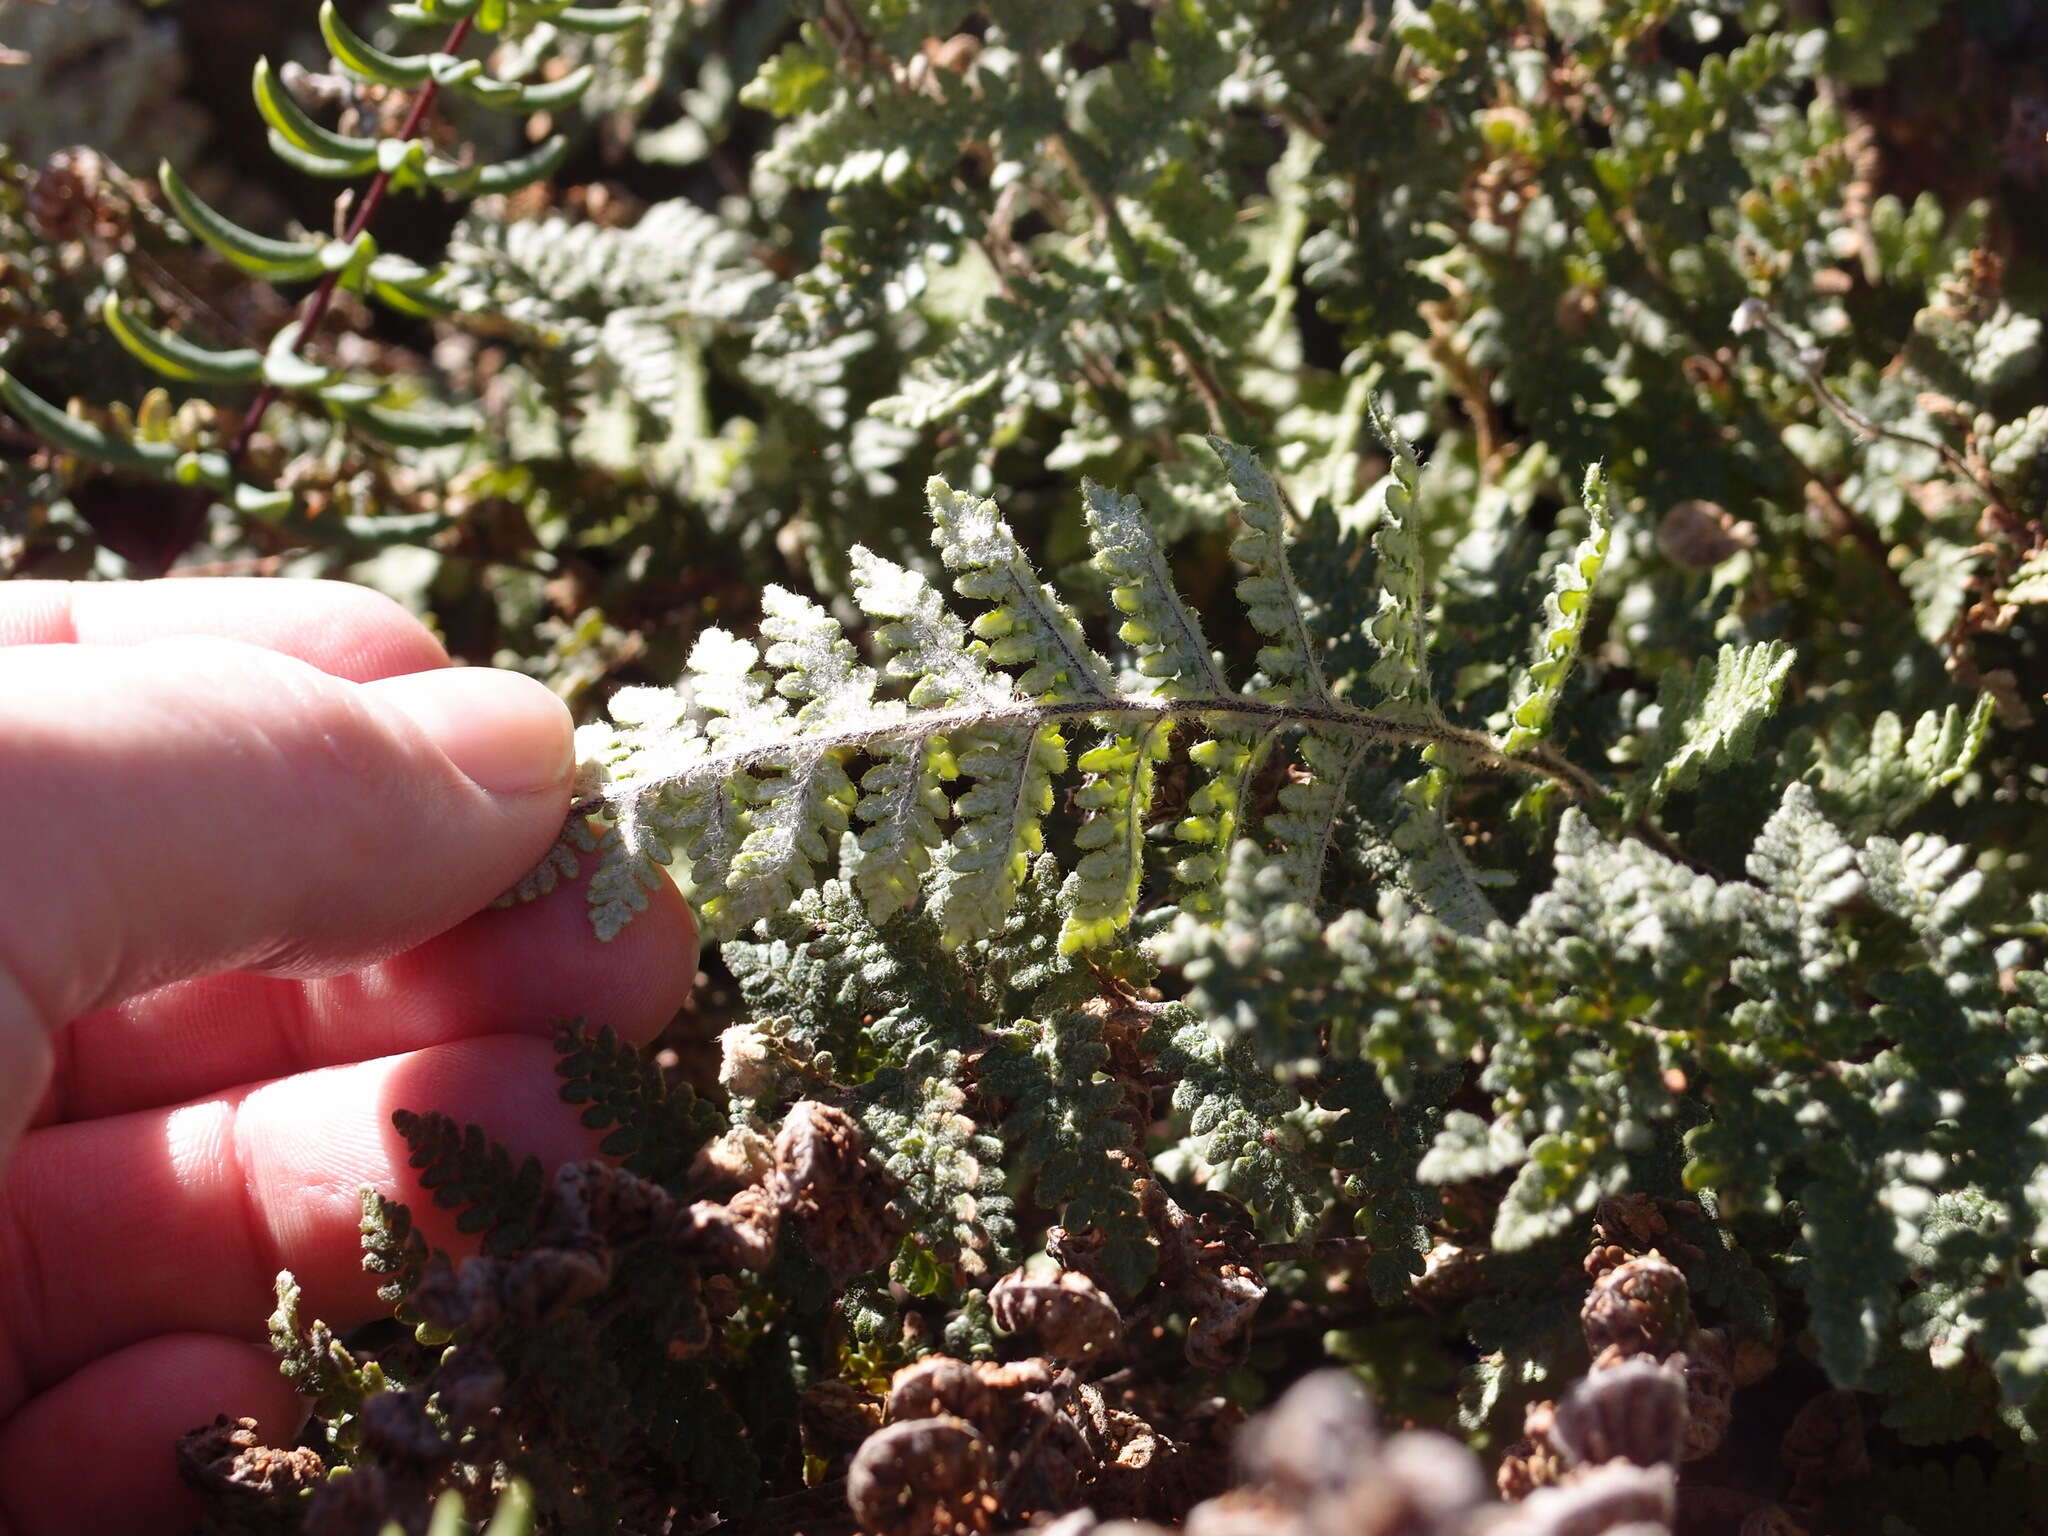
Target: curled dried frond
column 923, row 1477
column 836, row 1195
column 1069, row 1318
column 228, row 1457
column 1635, row 1411
column 1640, row 1306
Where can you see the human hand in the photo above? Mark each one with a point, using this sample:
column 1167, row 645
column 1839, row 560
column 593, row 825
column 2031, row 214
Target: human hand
column 246, row 828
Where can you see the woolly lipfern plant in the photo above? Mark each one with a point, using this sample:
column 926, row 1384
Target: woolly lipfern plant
column 968, row 724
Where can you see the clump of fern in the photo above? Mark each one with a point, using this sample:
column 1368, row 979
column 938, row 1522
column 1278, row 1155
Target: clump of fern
column 1343, row 974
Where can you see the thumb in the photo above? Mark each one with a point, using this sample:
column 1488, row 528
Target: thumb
column 186, row 806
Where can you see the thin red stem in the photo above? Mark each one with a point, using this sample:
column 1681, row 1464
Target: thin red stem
column 317, row 302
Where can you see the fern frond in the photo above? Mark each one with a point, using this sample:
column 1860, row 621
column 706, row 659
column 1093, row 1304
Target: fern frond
column 799, row 802
column 1001, row 824
column 903, row 800
column 1709, row 719
column 654, row 1126
column 1219, row 808
column 1164, row 635
column 1539, row 685
column 950, row 1173
column 629, row 868
column 1173, row 655
column 1241, row 1124
column 318, row 1365
column 1434, row 868
column 1872, row 781
column 754, row 795
column 1401, row 628
column 475, row 1177
column 1026, row 624
column 1267, row 589
column 393, row 1249
column 1063, row 1125
column 1305, row 823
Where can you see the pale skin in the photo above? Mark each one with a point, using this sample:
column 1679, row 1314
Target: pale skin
column 248, row 831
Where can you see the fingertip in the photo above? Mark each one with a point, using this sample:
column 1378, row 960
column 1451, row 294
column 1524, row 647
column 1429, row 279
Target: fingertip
column 96, row 1452
column 650, row 965
column 520, row 969
column 345, row 630
column 221, row 1194
column 505, row 732
column 532, row 965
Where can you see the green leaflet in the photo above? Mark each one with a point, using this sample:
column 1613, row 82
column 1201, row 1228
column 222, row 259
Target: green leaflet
column 1565, row 607
column 496, row 15
column 1872, row 781
column 73, row 434
column 410, row 429
column 303, row 143
column 1267, row 589
column 464, row 77
column 1708, row 719
column 1401, row 630
column 653, row 1126
column 1434, row 868
column 1218, row 808
column 278, row 260
column 362, row 58
column 951, row 1171
column 512, row 1515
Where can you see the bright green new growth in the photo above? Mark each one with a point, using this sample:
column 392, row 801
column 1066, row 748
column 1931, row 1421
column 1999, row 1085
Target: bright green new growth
column 371, row 405
column 1565, row 608
column 747, row 774
column 1401, row 628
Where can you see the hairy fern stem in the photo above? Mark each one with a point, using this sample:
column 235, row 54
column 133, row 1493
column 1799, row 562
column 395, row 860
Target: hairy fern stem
column 1363, row 725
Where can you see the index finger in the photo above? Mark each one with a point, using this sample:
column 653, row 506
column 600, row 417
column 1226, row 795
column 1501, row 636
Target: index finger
column 346, row 631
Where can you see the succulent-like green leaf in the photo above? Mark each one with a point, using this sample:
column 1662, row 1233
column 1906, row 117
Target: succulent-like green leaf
column 300, row 140
column 176, row 358
column 67, row 432
column 279, row 261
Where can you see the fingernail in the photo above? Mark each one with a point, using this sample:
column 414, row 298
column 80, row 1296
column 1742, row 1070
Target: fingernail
column 507, row 732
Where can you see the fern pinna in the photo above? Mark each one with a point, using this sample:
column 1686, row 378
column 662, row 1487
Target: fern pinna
column 745, row 772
